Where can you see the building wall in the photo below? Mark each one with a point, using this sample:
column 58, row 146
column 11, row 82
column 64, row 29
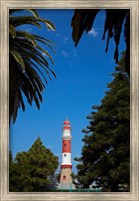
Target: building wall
column 65, row 176
column 66, row 158
column 66, row 146
column 66, row 132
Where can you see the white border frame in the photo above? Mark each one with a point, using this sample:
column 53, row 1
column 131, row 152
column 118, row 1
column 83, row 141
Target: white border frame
column 133, row 5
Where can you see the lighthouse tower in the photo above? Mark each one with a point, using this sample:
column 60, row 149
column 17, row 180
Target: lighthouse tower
column 66, row 166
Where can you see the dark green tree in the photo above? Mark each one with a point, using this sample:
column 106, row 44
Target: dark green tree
column 13, row 177
column 105, row 159
column 28, row 60
column 33, row 170
column 116, row 20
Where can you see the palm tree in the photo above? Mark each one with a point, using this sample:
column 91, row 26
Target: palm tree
column 116, row 19
column 27, row 63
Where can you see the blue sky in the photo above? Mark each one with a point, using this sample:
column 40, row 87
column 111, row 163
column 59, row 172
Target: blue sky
column 82, row 77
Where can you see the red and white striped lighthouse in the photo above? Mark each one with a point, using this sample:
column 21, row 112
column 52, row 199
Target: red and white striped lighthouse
column 66, row 166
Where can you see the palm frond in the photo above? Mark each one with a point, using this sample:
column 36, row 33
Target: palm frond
column 18, row 59
column 127, row 40
column 24, row 20
column 81, row 21
column 46, row 42
column 32, row 11
column 45, row 53
column 49, row 24
column 28, row 66
column 12, row 31
column 28, row 36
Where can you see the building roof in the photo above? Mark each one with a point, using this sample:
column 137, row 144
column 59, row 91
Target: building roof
column 66, row 122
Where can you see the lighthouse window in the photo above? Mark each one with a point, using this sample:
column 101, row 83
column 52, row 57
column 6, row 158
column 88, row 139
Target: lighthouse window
column 65, row 145
column 64, row 177
column 65, row 155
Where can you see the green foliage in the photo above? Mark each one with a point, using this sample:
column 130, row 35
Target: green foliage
column 105, row 160
column 115, row 21
column 34, row 170
column 28, row 60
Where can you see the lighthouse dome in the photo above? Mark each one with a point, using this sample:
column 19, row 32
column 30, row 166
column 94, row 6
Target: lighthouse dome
column 66, row 122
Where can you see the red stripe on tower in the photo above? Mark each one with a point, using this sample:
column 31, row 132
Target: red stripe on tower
column 66, row 146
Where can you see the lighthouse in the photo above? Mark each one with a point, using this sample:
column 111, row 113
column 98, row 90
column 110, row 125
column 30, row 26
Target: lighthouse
column 66, row 165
